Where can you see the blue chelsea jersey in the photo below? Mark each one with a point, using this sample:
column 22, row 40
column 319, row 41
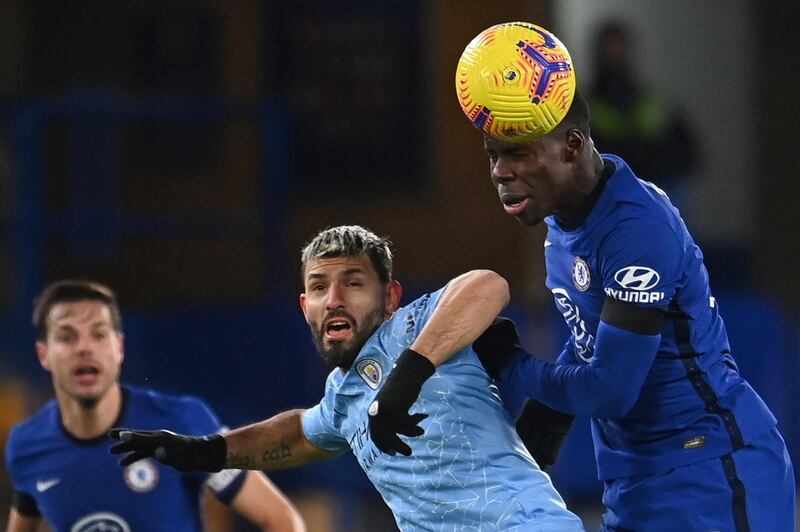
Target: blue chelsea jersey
column 77, row 486
column 634, row 247
column 469, row 471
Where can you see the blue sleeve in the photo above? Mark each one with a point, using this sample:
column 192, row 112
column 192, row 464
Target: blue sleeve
column 319, row 426
column 317, row 431
column 567, row 356
column 407, row 323
column 411, row 320
column 423, row 307
column 607, row 387
column 202, row 420
column 641, row 262
column 514, row 392
column 11, row 454
column 21, row 499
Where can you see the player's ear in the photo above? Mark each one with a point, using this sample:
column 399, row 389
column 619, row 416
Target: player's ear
column 394, row 293
column 41, row 353
column 574, row 142
column 303, row 305
column 121, row 340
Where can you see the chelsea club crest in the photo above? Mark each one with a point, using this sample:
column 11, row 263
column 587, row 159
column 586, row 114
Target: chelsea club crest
column 580, row 274
column 141, row 476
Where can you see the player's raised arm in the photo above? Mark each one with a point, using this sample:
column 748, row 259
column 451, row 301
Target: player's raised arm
column 275, row 443
column 466, row 308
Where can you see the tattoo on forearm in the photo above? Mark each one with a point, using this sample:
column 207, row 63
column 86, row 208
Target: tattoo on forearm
column 276, row 454
column 238, row 461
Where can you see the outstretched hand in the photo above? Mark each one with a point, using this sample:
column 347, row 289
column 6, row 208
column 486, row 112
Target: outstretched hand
column 184, row 453
column 388, row 414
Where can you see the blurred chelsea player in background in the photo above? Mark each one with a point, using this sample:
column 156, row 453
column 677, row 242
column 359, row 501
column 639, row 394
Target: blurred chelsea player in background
column 58, row 459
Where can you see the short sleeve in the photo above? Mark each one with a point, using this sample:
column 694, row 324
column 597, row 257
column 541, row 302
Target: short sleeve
column 24, row 503
column 411, row 319
column 424, row 306
column 319, row 429
column 200, row 419
column 641, row 263
column 226, row 484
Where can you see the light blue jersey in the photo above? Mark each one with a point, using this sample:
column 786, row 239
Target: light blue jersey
column 469, row 471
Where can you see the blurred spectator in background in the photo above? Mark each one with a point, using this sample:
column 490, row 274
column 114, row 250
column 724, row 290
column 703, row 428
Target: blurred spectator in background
column 58, row 459
column 632, row 121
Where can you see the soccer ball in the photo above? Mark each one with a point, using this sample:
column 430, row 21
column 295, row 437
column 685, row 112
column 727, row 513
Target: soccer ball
column 515, row 81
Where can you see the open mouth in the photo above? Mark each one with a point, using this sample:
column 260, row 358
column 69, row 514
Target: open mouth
column 337, row 329
column 87, row 374
column 514, row 205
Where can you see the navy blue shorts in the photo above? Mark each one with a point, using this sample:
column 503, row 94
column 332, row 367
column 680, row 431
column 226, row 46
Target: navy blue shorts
column 750, row 490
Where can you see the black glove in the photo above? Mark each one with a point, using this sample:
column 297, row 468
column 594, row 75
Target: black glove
column 184, row 453
column 497, row 346
column 543, row 430
column 388, row 414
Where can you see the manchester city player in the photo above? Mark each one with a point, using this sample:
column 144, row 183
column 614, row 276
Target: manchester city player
column 58, row 459
column 681, row 439
column 469, row 472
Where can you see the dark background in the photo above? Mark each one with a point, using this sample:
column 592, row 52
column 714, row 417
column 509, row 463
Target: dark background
column 183, row 151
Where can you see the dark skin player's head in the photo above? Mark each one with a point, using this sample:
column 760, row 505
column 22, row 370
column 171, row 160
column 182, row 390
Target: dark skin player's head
column 555, row 175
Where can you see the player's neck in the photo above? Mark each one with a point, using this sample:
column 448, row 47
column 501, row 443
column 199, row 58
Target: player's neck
column 590, row 187
column 90, row 421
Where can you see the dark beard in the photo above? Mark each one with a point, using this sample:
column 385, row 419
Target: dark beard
column 342, row 354
column 88, row 403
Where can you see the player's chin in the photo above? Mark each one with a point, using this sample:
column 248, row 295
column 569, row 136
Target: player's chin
column 88, row 398
column 337, row 344
column 529, row 219
column 339, row 355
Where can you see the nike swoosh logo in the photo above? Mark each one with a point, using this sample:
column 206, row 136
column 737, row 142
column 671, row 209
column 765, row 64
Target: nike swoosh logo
column 44, row 485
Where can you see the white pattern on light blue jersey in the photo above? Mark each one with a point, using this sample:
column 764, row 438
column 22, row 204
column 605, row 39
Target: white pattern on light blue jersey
column 469, row 471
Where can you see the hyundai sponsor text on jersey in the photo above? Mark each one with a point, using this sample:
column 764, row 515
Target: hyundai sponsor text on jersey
column 635, row 248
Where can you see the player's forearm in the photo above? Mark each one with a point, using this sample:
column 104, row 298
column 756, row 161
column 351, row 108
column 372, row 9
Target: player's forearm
column 275, row 443
column 515, row 391
column 607, row 387
column 567, row 355
column 261, row 503
column 466, row 308
column 285, row 518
